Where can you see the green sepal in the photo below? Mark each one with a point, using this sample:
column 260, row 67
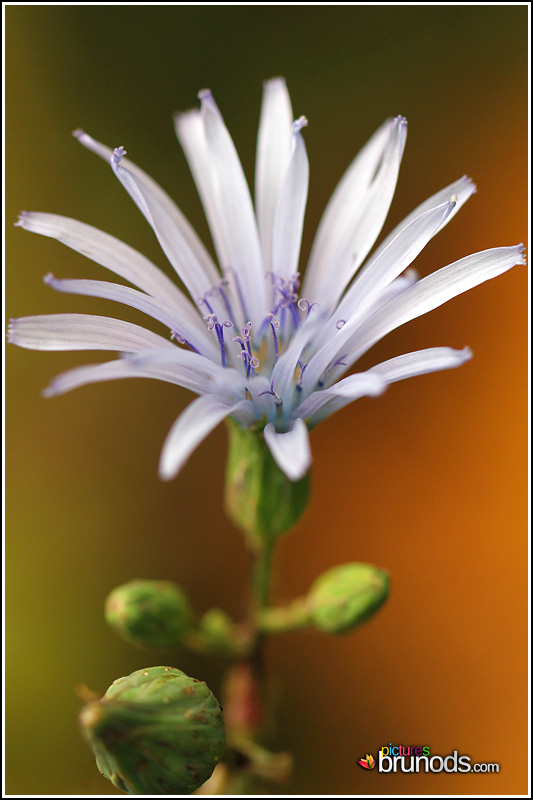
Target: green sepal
column 260, row 499
column 156, row 731
column 149, row 613
column 347, row 595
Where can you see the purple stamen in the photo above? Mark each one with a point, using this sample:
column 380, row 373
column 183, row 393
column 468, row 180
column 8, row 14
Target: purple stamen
column 271, row 391
column 203, row 301
column 225, row 300
column 305, row 305
column 239, row 292
column 295, row 317
column 337, row 363
column 273, row 325
column 212, row 322
column 246, row 351
column 303, row 367
column 118, row 154
column 176, row 336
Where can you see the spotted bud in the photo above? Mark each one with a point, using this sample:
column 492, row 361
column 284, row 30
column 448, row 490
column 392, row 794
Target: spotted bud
column 155, row 731
column 149, row 613
column 346, row 595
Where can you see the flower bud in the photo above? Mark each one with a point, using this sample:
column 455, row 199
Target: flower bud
column 346, row 595
column 155, row 731
column 217, row 626
column 259, row 498
column 149, row 613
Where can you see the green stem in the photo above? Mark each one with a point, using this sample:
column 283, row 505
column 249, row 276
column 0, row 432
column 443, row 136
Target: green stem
column 282, row 619
column 260, row 576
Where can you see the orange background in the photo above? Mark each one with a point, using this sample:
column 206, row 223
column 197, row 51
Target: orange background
column 429, row 481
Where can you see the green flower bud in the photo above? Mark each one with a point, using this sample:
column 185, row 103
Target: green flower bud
column 155, row 731
column 260, row 499
column 217, row 625
column 346, row 595
column 149, row 613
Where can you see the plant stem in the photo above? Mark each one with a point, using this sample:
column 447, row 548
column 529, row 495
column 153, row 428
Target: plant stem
column 260, row 577
column 244, row 684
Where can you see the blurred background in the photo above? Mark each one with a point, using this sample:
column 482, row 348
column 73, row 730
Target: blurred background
column 429, row 481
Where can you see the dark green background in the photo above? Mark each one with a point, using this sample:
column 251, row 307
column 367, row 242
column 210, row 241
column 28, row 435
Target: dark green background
column 428, row 481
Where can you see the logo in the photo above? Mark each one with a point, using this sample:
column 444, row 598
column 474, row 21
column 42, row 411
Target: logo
column 368, row 762
column 419, row 758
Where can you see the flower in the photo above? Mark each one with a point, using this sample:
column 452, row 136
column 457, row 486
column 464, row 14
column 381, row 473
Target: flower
column 251, row 343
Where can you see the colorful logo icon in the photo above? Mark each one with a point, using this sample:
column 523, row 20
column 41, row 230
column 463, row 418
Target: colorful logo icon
column 368, row 762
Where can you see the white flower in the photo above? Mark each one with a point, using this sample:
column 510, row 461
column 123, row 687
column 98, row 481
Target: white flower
column 250, row 343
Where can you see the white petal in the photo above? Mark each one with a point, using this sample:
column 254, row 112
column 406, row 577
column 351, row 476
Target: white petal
column 235, row 210
column 190, row 428
column 459, row 191
column 178, row 239
column 427, row 294
column 229, row 384
column 355, row 214
column 190, row 131
column 351, row 388
column 391, row 261
column 290, row 209
column 291, row 450
column 82, row 332
column 196, row 336
column 273, row 151
column 115, row 370
column 323, row 403
column 420, row 362
column 111, row 253
column 433, row 291
column 198, row 277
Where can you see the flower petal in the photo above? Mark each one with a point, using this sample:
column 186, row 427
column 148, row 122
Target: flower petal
column 432, row 291
column 420, row 362
column 459, row 191
column 273, row 152
column 290, row 209
column 82, row 332
column 187, row 377
column 111, row 253
column 177, row 238
column 351, row 388
column 195, row 336
column 355, row 214
column 392, row 260
column 235, row 210
column 373, row 382
column 190, row 428
column 190, row 131
column 291, row 450
column 427, row 294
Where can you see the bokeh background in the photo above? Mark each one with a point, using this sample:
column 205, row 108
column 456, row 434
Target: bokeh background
column 429, row 481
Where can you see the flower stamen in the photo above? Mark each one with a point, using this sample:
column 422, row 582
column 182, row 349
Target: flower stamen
column 273, row 325
column 305, row 305
column 339, row 362
column 245, row 355
column 212, row 322
column 299, row 384
column 175, row 336
column 277, row 398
